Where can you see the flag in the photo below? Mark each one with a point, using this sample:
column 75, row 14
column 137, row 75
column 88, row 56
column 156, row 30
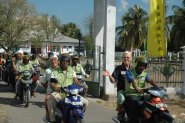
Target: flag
column 131, row 49
column 156, row 44
column 49, row 47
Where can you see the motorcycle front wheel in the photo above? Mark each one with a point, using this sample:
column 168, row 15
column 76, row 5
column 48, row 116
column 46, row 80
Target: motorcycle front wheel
column 27, row 98
column 162, row 119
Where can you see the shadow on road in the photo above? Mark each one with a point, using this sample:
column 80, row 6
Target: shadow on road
column 4, row 87
column 41, row 89
column 7, row 96
column 11, row 102
column 39, row 104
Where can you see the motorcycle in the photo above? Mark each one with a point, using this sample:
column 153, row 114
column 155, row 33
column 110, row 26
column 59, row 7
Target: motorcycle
column 36, row 73
column 26, row 82
column 81, row 79
column 152, row 108
column 71, row 106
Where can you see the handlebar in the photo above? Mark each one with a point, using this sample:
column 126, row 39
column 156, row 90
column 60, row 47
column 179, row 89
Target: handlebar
column 71, row 88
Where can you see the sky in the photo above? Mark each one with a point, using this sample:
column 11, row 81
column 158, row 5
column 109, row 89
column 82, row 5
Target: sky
column 77, row 11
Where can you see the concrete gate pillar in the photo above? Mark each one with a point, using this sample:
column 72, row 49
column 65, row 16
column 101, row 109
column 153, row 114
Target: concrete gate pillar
column 183, row 73
column 104, row 36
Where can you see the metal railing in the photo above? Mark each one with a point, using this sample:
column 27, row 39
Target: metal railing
column 166, row 73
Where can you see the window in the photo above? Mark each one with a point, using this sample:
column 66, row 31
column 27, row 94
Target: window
column 69, row 48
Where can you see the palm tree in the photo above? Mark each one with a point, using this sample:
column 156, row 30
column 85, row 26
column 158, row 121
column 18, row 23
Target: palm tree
column 133, row 31
column 177, row 37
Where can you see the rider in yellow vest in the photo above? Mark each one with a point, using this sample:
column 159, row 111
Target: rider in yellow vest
column 136, row 80
column 61, row 77
column 20, row 67
column 78, row 68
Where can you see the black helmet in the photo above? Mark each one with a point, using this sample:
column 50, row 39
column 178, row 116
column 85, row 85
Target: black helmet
column 75, row 57
column 64, row 58
column 50, row 54
column 141, row 60
column 26, row 57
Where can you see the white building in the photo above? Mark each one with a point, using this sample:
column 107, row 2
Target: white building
column 61, row 44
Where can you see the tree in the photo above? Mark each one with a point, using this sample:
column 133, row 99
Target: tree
column 50, row 26
column 70, row 30
column 177, row 37
column 16, row 21
column 133, row 31
column 88, row 38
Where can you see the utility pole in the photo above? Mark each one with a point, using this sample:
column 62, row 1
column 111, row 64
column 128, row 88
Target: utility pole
column 79, row 43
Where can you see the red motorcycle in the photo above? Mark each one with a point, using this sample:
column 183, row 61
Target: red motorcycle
column 151, row 108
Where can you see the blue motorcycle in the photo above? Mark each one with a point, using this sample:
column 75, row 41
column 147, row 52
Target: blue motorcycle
column 71, row 106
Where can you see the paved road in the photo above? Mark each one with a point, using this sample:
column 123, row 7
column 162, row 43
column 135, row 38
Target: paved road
column 17, row 113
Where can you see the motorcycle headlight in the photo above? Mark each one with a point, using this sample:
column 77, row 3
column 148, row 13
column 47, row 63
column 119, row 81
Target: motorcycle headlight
column 26, row 81
column 74, row 91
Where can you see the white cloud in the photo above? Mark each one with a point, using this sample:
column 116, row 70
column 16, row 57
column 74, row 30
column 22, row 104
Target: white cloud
column 124, row 5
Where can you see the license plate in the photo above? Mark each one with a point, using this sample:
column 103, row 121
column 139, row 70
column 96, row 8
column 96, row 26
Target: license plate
column 161, row 105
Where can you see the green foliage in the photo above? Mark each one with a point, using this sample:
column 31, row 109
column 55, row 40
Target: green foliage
column 49, row 27
column 176, row 20
column 133, row 31
column 88, row 38
column 70, row 30
column 15, row 22
column 88, row 45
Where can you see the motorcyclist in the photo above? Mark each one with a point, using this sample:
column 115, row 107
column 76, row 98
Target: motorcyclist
column 61, row 77
column 46, row 81
column 118, row 76
column 36, row 65
column 34, row 59
column 78, row 68
column 14, row 60
column 20, row 67
column 136, row 80
column 47, row 60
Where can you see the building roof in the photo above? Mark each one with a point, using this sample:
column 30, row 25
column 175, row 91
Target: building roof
column 65, row 39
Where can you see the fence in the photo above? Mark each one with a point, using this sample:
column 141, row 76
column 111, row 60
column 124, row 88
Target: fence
column 165, row 72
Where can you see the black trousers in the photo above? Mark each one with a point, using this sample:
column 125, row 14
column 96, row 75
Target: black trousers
column 133, row 106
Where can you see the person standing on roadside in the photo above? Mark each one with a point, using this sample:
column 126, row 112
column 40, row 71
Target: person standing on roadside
column 88, row 67
column 46, row 81
column 119, row 76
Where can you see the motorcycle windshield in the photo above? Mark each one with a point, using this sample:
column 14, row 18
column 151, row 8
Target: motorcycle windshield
column 157, row 93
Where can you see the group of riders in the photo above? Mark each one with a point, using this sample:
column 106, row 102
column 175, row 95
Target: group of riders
column 59, row 72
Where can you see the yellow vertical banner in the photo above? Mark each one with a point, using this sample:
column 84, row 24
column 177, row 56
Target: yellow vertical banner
column 156, row 44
